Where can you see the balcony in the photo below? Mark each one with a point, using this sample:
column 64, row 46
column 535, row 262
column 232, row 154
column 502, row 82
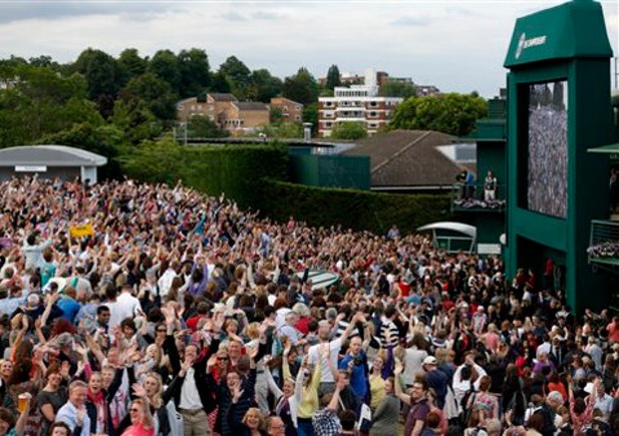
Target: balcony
column 471, row 199
column 603, row 250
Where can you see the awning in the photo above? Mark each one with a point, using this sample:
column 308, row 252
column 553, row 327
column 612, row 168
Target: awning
column 466, row 229
column 605, row 149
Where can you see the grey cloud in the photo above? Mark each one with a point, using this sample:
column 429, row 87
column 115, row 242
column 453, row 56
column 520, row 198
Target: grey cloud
column 27, row 10
column 233, row 16
column 266, row 15
column 412, row 21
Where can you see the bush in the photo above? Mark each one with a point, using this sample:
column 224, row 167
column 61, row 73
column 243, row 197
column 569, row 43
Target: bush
column 358, row 210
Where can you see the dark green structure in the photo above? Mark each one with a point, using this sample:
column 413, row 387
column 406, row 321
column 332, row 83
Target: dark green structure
column 559, row 107
column 490, row 135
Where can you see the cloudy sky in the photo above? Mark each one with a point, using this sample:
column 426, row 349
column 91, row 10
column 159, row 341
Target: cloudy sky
column 457, row 45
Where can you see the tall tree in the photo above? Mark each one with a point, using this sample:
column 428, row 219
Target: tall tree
column 220, row 83
column 195, row 72
column 43, row 102
column 155, row 92
column 103, row 78
column 333, row 77
column 131, row 64
column 453, row 113
column 237, row 74
column 263, row 86
column 166, row 66
column 301, row 87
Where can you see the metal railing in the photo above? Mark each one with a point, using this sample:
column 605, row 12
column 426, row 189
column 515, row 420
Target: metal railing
column 475, row 198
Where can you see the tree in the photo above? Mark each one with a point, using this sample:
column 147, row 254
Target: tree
column 153, row 161
column 301, row 87
column 263, row 86
column 155, row 92
column 310, row 115
column 333, row 77
column 238, row 76
column 204, row 127
column 220, row 83
column 348, row 130
column 165, row 65
column 133, row 117
column 195, row 72
column 131, row 64
column 103, row 78
column 397, row 89
column 42, row 102
column 454, row 114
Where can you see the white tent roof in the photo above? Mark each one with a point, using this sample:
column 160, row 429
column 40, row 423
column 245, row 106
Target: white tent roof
column 466, row 229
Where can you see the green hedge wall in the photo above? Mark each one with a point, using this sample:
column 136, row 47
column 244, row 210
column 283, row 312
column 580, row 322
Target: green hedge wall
column 235, row 170
column 358, row 210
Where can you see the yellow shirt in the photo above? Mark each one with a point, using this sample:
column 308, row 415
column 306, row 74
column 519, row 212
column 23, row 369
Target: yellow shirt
column 308, row 401
column 377, row 390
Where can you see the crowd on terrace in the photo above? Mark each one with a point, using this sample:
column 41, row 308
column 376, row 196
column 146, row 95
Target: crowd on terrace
column 140, row 310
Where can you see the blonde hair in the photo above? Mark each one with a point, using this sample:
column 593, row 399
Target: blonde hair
column 156, row 399
column 254, row 410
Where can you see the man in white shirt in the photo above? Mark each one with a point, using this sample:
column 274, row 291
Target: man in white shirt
column 461, row 385
column 165, row 281
column 126, row 306
column 327, row 380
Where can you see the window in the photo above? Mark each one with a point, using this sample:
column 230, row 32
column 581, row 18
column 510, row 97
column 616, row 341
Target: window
column 298, row 108
column 297, row 118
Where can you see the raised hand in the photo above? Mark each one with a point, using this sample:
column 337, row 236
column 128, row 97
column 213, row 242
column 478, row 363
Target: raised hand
column 138, row 390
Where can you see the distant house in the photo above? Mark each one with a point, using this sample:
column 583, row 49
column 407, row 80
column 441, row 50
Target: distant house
column 226, row 111
column 292, row 112
column 414, row 160
column 357, row 103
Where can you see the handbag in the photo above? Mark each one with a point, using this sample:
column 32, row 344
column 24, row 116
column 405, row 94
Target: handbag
column 175, row 419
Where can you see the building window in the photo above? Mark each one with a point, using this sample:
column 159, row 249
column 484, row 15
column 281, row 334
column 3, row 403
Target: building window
column 373, row 104
column 297, row 108
column 297, row 118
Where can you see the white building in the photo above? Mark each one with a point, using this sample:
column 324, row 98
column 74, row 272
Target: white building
column 357, row 103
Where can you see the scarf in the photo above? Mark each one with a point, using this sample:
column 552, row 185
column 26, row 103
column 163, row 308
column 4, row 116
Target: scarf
column 101, row 408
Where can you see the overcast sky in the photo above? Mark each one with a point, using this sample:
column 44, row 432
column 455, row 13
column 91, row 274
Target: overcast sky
column 457, row 45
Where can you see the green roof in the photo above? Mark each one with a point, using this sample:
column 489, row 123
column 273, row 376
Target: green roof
column 571, row 30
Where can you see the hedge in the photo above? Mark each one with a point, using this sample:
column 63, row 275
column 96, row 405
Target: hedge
column 357, row 210
column 235, row 170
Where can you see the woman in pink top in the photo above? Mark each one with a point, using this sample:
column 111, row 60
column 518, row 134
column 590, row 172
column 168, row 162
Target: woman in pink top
column 141, row 419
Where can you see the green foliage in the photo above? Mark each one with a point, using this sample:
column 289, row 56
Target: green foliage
column 453, row 113
column 358, row 210
column 165, row 65
column 310, row 115
column 204, row 127
column 103, row 78
column 333, row 77
column 397, row 89
column 133, row 117
column 233, row 169
column 348, row 130
column 195, row 72
column 153, row 161
column 280, row 131
column 238, row 75
column 131, row 64
column 43, row 102
column 302, row 88
column 155, row 92
column 263, row 86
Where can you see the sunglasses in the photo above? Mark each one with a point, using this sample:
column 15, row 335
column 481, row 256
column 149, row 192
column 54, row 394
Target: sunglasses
column 222, row 358
column 161, row 330
column 133, row 409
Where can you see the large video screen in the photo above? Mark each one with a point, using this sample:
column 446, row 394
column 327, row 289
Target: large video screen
column 547, row 148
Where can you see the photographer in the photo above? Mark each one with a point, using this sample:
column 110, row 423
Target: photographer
column 355, row 363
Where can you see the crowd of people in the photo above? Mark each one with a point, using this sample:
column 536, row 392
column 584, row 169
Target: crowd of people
column 180, row 314
column 547, row 155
